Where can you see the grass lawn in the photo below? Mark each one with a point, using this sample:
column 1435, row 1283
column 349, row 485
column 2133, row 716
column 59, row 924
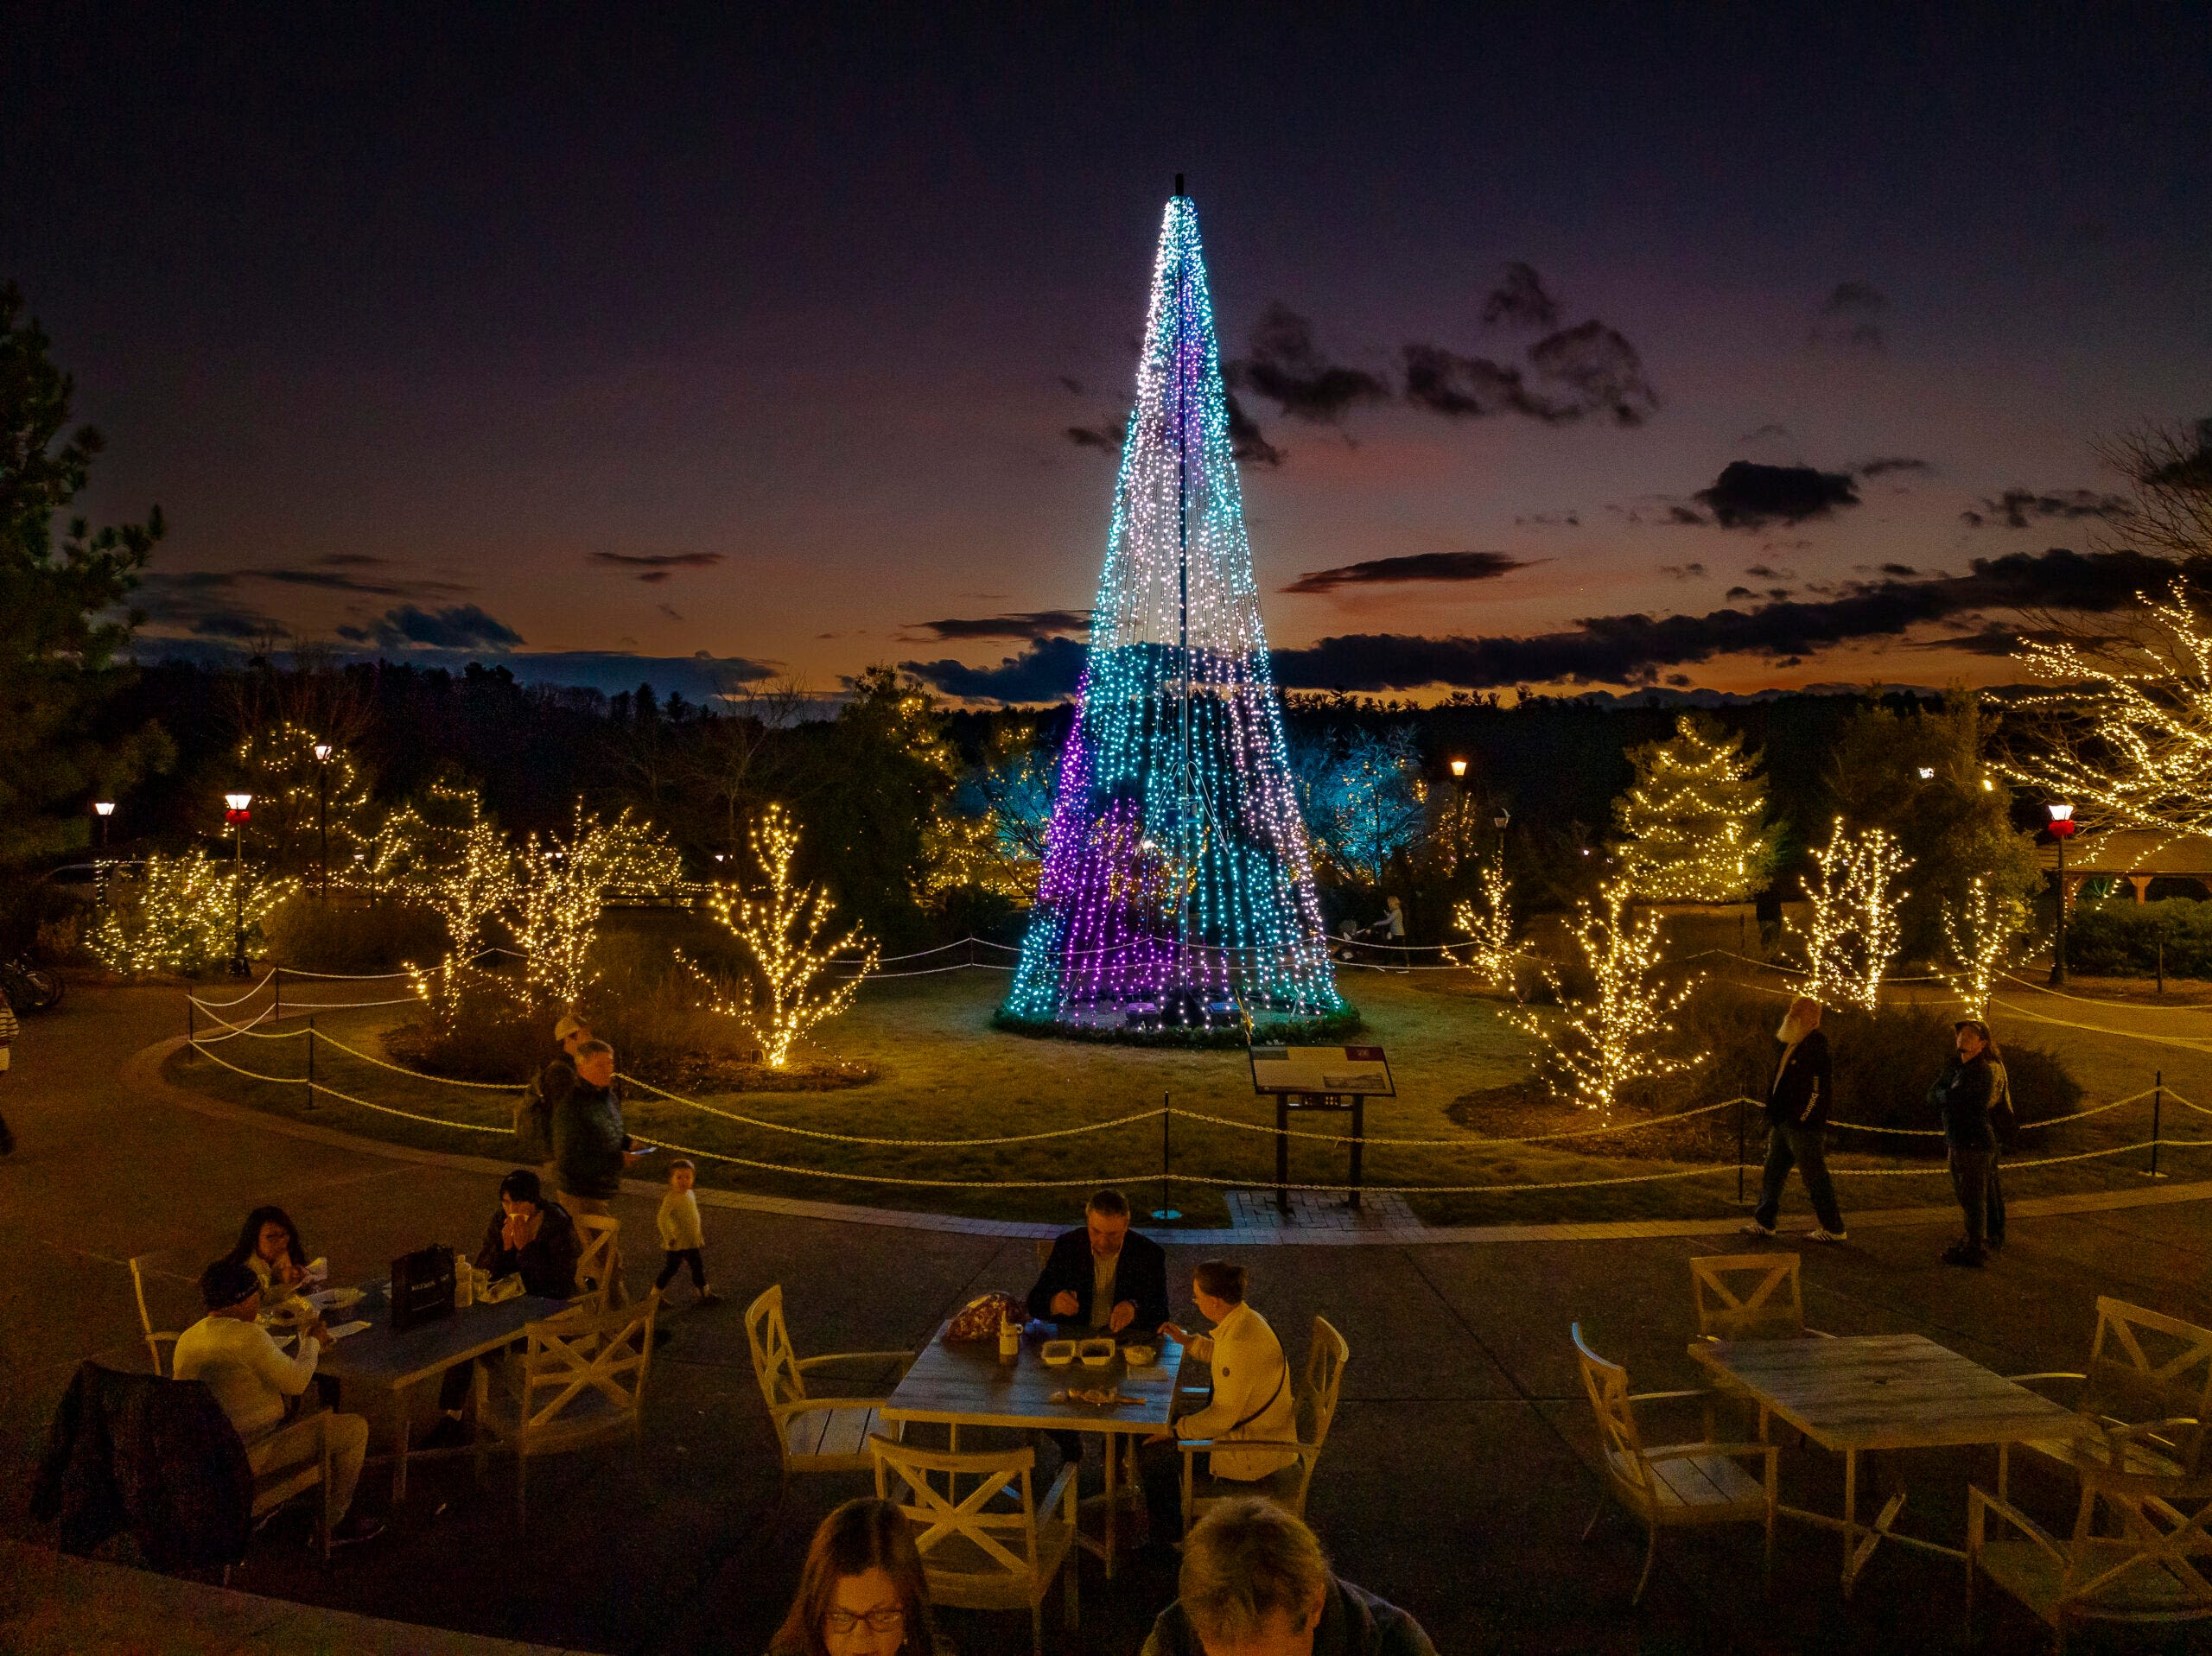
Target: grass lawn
column 946, row 1074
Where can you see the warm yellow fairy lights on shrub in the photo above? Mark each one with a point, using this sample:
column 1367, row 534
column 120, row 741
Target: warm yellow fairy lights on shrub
column 1853, row 934
column 1979, row 933
column 1693, row 822
column 1490, row 955
column 782, row 930
column 1605, row 1044
column 562, row 889
column 184, row 916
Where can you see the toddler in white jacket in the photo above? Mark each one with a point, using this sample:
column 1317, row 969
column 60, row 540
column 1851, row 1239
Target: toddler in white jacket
column 681, row 1237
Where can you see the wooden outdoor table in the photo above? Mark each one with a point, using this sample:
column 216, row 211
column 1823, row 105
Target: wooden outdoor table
column 1882, row 1391
column 968, row 1386
column 377, row 1357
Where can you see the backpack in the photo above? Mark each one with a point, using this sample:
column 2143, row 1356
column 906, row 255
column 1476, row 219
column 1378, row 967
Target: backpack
column 534, row 1123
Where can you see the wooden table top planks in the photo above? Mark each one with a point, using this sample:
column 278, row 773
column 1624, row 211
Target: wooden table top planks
column 377, row 1356
column 1885, row 1391
column 967, row 1385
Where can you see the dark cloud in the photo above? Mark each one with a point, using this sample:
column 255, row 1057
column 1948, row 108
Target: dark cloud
column 1735, row 593
column 1246, row 440
column 1520, row 300
column 1994, row 638
column 1075, row 387
column 1032, row 625
column 1851, row 318
column 2019, row 508
column 1894, row 465
column 1282, row 365
column 463, row 626
column 1553, row 519
column 653, row 568
column 668, row 610
column 1763, row 572
column 1421, row 565
column 1747, row 495
column 2192, row 470
column 352, row 560
column 1683, row 571
column 1048, row 671
column 1632, row 649
column 1686, row 515
column 1902, row 571
column 1589, row 370
column 1770, row 429
column 1105, row 438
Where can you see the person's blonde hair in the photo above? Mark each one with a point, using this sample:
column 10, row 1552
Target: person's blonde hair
column 1243, row 1562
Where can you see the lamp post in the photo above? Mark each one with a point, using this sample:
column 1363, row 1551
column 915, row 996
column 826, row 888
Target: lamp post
column 2062, row 829
column 322, row 810
column 237, row 812
column 102, row 809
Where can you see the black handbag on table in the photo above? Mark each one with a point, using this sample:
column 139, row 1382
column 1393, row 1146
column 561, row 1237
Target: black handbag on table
column 422, row 1286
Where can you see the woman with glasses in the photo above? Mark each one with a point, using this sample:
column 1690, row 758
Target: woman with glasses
column 861, row 1591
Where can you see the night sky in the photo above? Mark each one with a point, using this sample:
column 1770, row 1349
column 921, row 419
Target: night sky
column 1711, row 345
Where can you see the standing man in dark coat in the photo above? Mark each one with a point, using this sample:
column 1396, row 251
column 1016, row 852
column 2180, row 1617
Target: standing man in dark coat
column 1103, row 1277
column 1972, row 1088
column 1796, row 1133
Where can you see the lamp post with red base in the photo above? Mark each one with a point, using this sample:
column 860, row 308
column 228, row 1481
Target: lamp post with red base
column 237, row 813
column 2062, row 829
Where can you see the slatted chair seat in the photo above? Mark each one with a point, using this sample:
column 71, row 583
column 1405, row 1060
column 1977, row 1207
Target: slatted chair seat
column 987, row 1543
column 1676, row 1485
column 2147, row 1390
column 814, row 1434
column 1686, row 1476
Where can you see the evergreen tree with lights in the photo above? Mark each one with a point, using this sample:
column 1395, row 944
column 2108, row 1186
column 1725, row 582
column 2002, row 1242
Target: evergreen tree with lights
column 1692, row 824
column 1177, row 889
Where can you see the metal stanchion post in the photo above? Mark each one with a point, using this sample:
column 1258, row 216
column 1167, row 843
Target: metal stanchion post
column 1740, row 1150
column 276, row 980
column 310, row 1060
column 1166, row 1208
column 2157, row 1110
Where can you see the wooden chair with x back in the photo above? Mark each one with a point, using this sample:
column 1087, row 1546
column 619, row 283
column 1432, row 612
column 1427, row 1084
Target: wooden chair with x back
column 1315, row 1404
column 581, row 1379
column 813, row 1433
column 2148, row 1391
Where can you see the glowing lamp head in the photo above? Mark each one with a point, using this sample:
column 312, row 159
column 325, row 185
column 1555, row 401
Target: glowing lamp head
column 1459, row 767
column 240, row 808
column 2062, row 820
column 104, row 808
column 1502, row 817
column 322, row 752
column 1927, row 773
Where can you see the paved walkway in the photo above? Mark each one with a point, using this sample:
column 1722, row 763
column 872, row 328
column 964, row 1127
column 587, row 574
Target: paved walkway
column 1457, row 1480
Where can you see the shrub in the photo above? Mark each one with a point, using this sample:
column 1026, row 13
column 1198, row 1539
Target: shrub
column 345, row 936
column 2120, row 938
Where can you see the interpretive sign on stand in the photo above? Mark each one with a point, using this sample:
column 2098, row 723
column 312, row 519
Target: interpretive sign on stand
column 1320, row 1078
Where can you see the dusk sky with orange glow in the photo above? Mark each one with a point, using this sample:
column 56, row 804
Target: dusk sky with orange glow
column 803, row 343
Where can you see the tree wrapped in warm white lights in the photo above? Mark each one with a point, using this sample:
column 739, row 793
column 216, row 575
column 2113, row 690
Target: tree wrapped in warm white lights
column 2127, row 738
column 1490, row 954
column 1693, row 823
column 1979, row 935
column 1605, row 1044
column 183, row 915
column 782, row 930
column 560, row 890
column 1853, row 935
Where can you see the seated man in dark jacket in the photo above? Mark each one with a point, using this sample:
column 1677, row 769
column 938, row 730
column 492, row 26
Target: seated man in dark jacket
column 531, row 1235
column 1103, row 1277
column 1254, row 1582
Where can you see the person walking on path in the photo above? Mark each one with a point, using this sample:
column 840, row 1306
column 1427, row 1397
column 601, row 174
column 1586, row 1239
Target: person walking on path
column 590, row 1149
column 548, row 1090
column 9, row 1031
column 1797, row 1114
column 1974, row 1088
column 682, row 1240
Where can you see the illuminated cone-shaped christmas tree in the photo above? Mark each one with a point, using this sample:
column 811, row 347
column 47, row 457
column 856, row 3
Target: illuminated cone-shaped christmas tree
column 1177, row 888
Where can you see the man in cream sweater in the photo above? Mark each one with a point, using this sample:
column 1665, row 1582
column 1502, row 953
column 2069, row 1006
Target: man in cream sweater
column 1251, row 1400
column 252, row 1380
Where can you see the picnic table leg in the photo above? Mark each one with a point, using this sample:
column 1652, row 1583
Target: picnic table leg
column 1850, row 1515
column 398, row 1444
column 1113, row 1449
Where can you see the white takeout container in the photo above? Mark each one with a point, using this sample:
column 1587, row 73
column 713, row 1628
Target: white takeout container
column 1056, row 1354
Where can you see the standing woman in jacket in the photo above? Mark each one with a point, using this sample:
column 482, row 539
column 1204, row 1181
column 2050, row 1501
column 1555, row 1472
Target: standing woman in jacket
column 1251, row 1399
column 1797, row 1135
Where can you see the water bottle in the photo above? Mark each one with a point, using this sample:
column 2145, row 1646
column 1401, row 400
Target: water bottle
column 1009, row 1340
column 464, row 1285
